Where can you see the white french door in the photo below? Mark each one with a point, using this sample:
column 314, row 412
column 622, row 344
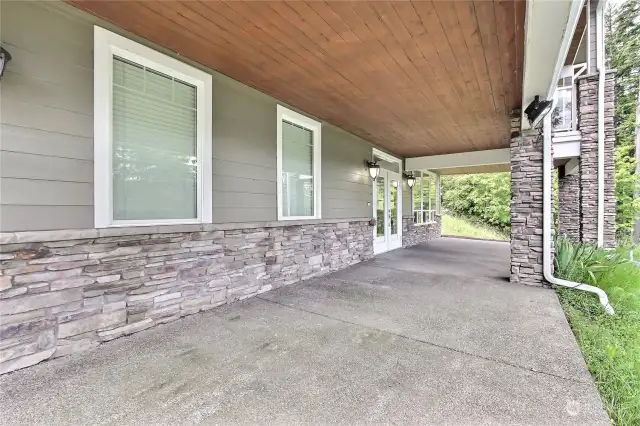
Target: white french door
column 387, row 210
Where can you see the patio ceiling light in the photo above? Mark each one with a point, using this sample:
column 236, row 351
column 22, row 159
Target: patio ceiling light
column 411, row 180
column 374, row 169
column 537, row 110
column 5, row 57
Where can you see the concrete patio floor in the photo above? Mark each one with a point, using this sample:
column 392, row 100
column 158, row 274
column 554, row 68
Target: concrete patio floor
column 433, row 334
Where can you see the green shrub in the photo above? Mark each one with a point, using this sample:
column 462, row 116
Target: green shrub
column 610, row 344
column 584, row 262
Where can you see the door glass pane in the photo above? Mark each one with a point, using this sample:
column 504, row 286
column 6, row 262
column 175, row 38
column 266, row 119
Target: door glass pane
column 380, row 206
column 154, row 145
column 393, row 206
column 297, row 170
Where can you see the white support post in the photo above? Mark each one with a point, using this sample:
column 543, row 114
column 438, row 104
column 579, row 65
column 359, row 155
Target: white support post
column 438, row 193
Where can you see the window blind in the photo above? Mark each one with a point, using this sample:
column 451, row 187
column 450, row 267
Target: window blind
column 297, row 170
column 154, row 145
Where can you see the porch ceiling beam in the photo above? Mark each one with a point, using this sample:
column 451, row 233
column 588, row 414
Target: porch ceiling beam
column 549, row 30
column 465, row 159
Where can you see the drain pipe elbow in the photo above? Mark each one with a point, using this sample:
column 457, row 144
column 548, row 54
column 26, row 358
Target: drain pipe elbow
column 602, row 296
column 546, row 226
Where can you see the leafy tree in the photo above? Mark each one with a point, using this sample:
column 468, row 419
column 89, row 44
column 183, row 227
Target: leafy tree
column 483, row 197
column 623, row 50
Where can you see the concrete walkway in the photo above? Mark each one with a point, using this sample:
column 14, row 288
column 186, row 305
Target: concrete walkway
column 434, row 334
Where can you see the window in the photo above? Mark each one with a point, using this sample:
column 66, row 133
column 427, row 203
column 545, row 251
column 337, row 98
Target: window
column 425, row 195
column 298, row 166
column 562, row 116
column 152, row 136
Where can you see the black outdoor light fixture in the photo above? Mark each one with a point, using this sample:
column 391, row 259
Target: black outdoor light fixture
column 5, row 57
column 411, row 180
column 537, row 110
column 374, row 169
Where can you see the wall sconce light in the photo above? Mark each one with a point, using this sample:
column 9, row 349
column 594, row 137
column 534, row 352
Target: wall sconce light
column 411, row 180
column 537, row 110
column 5, row 57
column 374, row 169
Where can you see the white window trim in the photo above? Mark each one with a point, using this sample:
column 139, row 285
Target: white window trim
column 435, row 178
column 573, row 71
column 106, row 45
column 386, row 157
column 316, row 128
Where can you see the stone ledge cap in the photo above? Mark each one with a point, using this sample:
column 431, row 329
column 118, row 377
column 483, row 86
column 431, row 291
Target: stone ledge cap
column 84, row 234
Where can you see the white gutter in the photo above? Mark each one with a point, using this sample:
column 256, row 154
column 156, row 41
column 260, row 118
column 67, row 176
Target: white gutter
column 547, row 253
column 601, row 73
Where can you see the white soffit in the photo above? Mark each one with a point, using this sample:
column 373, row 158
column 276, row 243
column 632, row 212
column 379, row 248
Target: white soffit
column 549, row 28
column 465, row 159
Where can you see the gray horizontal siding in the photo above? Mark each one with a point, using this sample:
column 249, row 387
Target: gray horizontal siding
column 45, row 217
column 42, row 167
column 41, row 117
column 238, row 184
column 33, row 141
column 346, row 185
column 46, row 157
column 27, row 192
column 407, row 206
column 39, row 64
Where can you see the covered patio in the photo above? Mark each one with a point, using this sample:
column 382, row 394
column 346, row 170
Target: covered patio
column 433, row 334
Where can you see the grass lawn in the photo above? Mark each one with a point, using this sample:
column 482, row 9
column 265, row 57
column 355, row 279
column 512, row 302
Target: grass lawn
column 610, row 344
column 463, row 228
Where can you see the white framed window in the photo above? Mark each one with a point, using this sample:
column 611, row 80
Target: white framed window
column 152, row 136
column 425, row 198
column 564, row 114
column 298, row 166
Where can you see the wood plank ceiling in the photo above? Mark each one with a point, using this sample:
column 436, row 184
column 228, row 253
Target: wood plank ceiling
column 414, row 77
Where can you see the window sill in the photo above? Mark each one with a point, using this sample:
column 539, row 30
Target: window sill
column 425, row 223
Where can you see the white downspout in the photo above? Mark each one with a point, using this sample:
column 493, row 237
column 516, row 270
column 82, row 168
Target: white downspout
column 547, row 253
column 601, row 74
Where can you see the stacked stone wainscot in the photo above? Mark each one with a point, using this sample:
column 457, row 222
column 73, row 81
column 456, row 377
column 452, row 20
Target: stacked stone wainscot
column 416, row 233
column 62, row 293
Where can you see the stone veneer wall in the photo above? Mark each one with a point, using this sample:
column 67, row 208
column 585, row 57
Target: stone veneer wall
column 413, row 233
column 569, row 207
column 75, row 289
column 588, row 123
column 526, row 208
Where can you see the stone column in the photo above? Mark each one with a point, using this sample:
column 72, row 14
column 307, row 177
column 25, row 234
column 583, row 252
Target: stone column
column 588, row 124
column 526, row 208
column 569, row 206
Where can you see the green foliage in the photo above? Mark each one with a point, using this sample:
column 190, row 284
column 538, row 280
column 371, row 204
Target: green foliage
column 486, row 198
column 610, row 344
column 585, row 263
column 623, row 50
column 462, row 227
column 611, row 347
